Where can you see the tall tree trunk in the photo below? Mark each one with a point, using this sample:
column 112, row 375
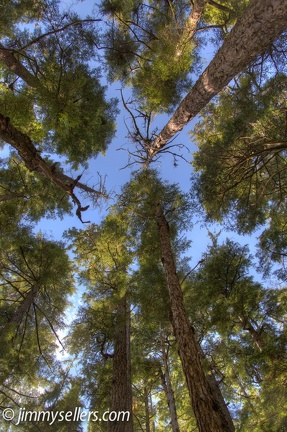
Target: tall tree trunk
column 193, row 19
column 166, row 382
column 208, row 413
column 147, row 410
column 121, row 392
column 261, row 23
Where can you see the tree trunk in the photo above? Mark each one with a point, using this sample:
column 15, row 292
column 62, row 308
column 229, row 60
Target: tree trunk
column 121, row 391
column 166, row 382
column 257, row 339
column 22, row 310
column 14, row 65
column 147, row 414
column 262, row 22
column 208, row 413
column 34, row 162
column 193, row 19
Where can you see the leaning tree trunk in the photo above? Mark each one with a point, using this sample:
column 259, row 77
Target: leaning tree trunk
column 207, row 410
column 262, row 22
column 121, row 391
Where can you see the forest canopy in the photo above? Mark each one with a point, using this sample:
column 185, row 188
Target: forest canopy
column 110, row 324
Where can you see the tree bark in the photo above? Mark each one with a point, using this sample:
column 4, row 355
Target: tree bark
column 166, row 382
column 208, row 412
column 147, row 410
column 121, row 392
column 14, row 65
column 34, row 162
column 262, row 22
column 194, row 17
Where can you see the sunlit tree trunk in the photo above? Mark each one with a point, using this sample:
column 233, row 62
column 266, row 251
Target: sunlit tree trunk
column 207, row 410
column 261, row 23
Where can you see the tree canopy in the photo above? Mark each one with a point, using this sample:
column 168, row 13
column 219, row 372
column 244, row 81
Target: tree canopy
column 111, row 323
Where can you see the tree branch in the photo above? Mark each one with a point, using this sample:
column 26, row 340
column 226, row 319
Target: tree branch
column 34, row 162
column 262, row 22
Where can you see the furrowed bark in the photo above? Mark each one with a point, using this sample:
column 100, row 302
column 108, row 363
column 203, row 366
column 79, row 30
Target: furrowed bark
column 262, row 22
column 121, row 392
column 207, row 410
column 194, row 17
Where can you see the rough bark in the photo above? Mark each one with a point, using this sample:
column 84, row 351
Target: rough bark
column 121, row 392
column 261, row 23
column 166, row 382
column 208, row 413
column 194, row 17
column 14, row 65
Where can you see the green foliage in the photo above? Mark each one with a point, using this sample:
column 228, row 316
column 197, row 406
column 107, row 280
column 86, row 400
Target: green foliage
column 66, row 111
column 14, row 12
column 35, row 281
column 148, row 48
column 225, row 16
column 27, row 196
column 80, row 119
column 242, row 327
column 241, row 157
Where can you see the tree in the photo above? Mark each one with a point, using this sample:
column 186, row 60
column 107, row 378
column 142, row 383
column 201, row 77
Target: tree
column 153, row 202
column 105, row 253
column 37, row 69
column 242, row 150
column 33, row 300
column 149, row 46
column 240, row 323
column 256, row 29
column 52, row 102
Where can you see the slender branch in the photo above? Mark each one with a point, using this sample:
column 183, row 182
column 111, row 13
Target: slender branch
column 220, row 6
column 44, row 35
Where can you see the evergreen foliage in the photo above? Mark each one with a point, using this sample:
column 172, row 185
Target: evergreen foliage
column 181, row 348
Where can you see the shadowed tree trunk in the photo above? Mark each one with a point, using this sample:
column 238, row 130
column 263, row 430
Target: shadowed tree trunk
column 121, row 392
column 166, row 382
column 208, row 411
